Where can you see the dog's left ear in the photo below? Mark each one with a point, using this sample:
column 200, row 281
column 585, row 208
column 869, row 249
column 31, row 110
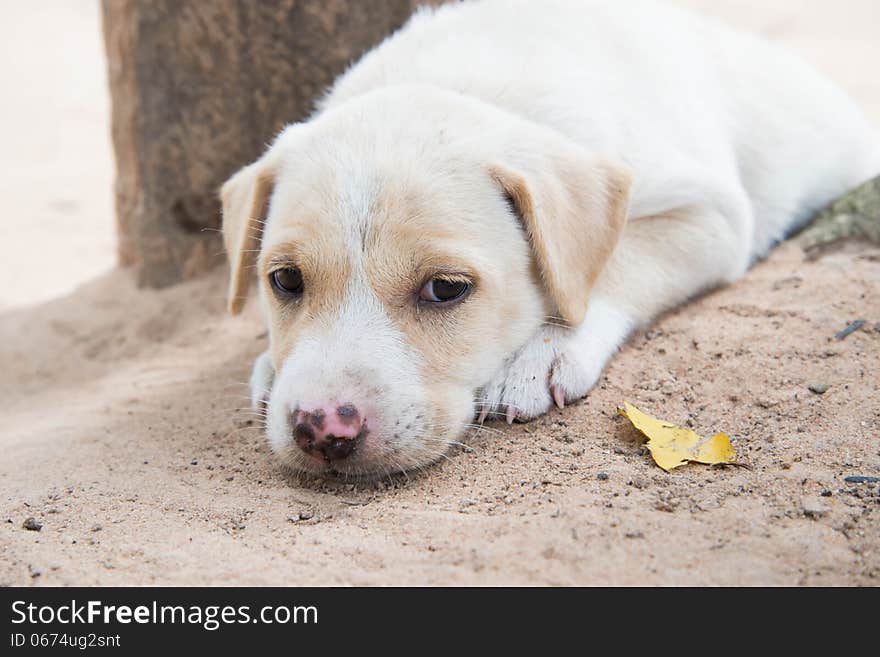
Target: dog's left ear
column 245, row 199
column 573, row 208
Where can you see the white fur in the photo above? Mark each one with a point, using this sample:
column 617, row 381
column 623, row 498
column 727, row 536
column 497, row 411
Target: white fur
column 700, row 112
column 731, row 141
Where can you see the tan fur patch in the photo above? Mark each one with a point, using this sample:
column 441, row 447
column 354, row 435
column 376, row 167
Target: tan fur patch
column 245, row 199
column 325, row 270
column 574, row 215
column 408, row 244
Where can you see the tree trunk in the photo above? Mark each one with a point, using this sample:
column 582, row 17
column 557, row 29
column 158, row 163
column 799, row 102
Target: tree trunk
column 198, row 90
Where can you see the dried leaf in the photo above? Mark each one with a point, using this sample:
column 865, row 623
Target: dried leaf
column 672, row 446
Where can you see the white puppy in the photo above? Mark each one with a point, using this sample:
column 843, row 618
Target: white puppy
column 489, row 202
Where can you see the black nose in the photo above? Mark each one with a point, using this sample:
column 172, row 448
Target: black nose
column 330, row 436
column 335, row 449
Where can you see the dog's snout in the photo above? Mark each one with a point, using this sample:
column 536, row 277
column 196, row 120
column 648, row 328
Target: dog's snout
column 331, row 433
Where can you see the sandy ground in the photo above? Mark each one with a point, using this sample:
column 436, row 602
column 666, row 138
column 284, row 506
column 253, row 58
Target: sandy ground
column 56, row 159
column 120, row 434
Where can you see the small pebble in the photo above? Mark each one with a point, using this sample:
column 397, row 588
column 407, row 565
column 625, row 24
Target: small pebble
column 855, row 326
column 818, row 388
column 862, row 480
column 813, row 507
column 602, row 476
column 31, row 524
column 306, row 515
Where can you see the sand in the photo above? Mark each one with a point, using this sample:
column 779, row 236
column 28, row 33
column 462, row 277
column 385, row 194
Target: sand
column 56, row 159
column 122, row 435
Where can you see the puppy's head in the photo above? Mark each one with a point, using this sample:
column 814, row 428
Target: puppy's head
column 406, row 244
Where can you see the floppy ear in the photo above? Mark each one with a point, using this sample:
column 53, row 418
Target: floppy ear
column 573, row 208
column 245, row 199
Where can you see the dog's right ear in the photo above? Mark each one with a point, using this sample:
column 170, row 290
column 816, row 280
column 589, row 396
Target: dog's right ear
column 245, row 199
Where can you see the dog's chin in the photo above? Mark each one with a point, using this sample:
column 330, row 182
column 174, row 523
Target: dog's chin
column 382, row 453
column 353, row 469
column 378, row 465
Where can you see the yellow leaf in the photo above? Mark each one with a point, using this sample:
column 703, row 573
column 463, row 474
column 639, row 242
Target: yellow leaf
column 672, row 446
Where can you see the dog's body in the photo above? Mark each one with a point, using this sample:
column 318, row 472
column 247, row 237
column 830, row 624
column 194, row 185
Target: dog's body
column 575, row 167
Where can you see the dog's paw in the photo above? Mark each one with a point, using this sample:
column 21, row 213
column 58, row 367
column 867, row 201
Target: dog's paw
column 262, row 378
column 550, row 369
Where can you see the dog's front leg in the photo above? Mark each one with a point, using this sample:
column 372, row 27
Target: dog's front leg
column 661, row 261
column 262, row 377
column 558, row 364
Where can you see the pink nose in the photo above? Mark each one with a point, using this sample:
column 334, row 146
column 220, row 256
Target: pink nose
column 327, row 432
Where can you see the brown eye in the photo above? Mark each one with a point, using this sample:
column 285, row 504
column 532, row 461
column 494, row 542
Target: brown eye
column 287, row 281
column 441, row 290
